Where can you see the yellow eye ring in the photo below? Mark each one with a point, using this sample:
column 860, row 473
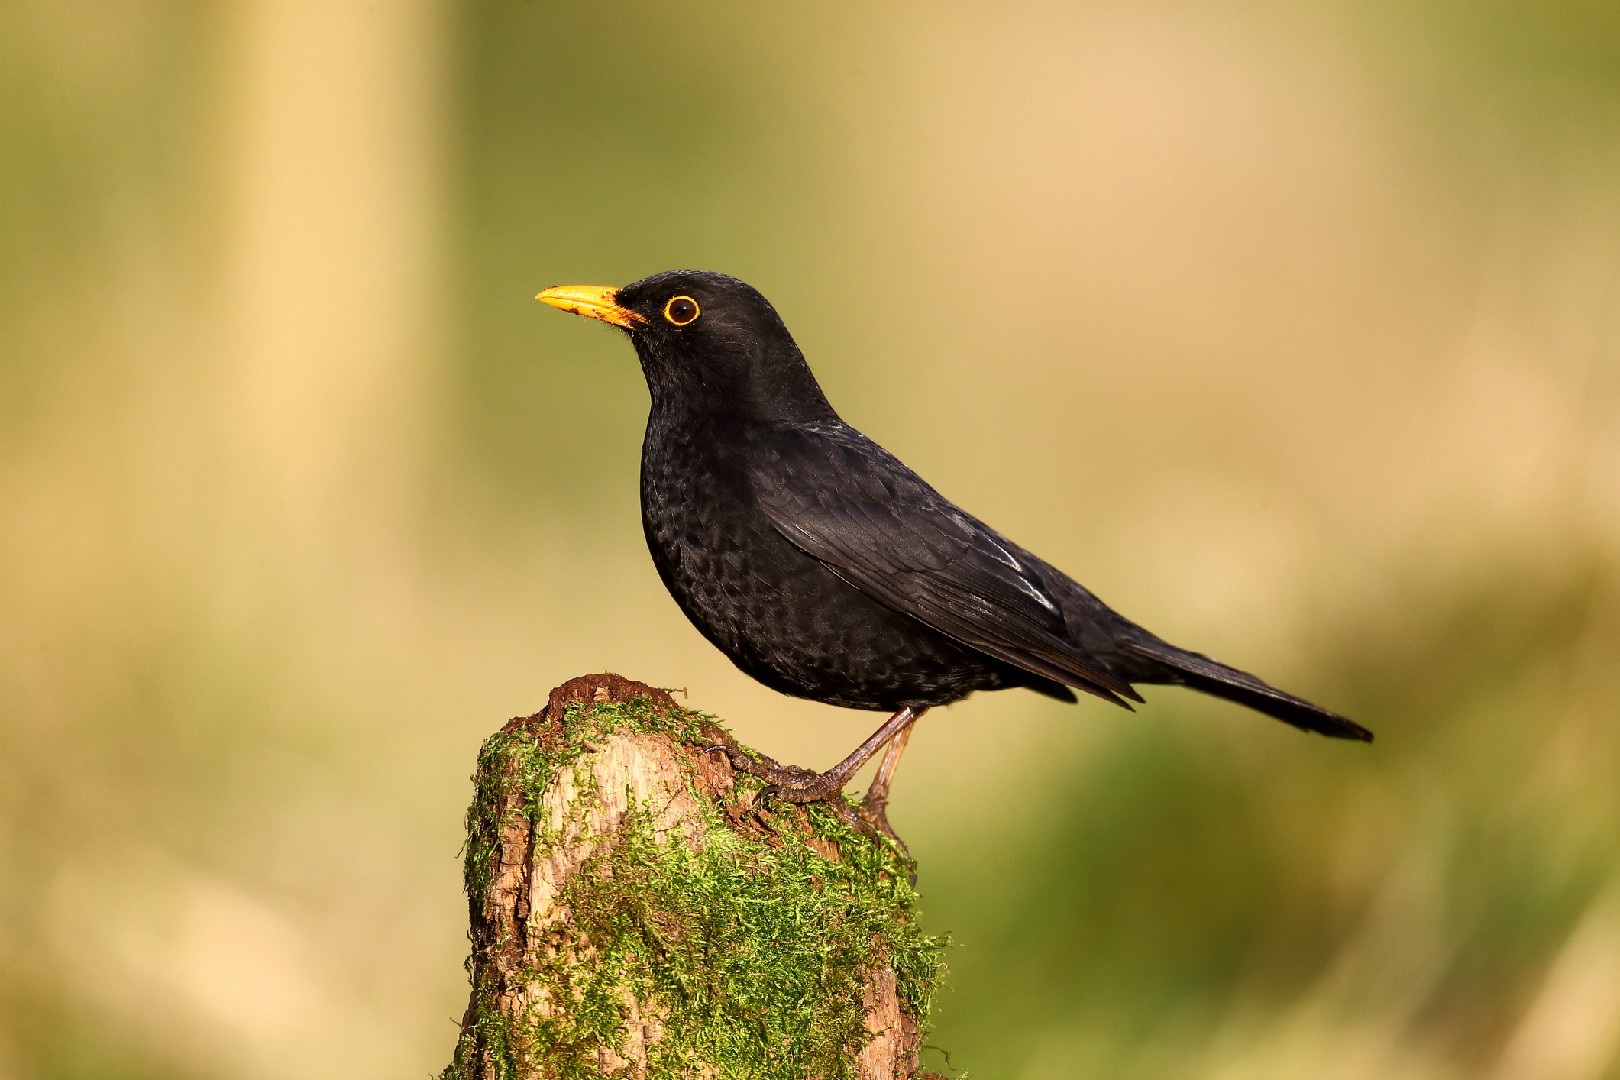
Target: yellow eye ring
column 681, row 310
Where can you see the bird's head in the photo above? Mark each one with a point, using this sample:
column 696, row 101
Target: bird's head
column 707, row 342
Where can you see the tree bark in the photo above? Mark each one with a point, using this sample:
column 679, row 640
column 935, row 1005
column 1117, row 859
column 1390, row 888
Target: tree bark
column 639, row 910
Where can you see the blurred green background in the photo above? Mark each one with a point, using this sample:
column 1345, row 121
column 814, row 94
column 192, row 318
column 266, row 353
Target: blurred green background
column 1292, row 328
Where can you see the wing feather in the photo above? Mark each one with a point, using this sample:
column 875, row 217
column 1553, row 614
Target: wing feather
column 905, row 545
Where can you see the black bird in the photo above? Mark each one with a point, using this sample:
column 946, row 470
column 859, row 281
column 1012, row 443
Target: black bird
column 826, row 569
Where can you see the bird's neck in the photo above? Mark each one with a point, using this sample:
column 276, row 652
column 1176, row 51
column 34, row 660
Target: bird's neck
column 776, row 389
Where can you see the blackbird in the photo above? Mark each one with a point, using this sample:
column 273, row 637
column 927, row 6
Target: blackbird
column 826, row 569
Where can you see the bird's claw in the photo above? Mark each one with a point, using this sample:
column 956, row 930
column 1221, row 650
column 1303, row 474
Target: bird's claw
column 875, row 819
column 760, row 766
column 792, row 784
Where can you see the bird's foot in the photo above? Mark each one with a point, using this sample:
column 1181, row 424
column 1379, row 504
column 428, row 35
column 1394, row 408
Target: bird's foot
column 874, row 816
column 790, row 783
column 800, row 786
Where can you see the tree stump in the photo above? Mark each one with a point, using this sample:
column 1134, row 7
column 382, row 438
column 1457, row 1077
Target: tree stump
column 639, row 910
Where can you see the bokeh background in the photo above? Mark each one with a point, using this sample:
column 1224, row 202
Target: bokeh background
column 1292, row 328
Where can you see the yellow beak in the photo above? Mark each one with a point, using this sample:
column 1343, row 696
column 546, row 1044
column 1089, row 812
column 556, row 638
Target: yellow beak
column 593, row 302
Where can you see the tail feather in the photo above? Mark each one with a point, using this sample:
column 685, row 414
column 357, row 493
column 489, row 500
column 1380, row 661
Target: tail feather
column 1168, row 664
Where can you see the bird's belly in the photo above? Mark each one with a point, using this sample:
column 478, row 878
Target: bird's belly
column 790, row 622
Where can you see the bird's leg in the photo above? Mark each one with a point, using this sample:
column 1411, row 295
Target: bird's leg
column 795, row 785
column 877, row 795
column 875, row 805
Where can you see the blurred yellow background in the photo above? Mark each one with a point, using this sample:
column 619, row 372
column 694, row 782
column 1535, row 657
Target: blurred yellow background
column 1293, row 329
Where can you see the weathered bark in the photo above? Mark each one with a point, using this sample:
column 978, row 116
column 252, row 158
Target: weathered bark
column 638, row 910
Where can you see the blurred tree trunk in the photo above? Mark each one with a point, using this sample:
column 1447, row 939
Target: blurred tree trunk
column 637, row 912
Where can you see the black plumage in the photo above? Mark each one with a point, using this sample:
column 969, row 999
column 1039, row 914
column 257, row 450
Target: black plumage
column 825, row 568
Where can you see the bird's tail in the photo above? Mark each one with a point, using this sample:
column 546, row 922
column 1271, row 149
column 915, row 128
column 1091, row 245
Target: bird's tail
column 1151, row 660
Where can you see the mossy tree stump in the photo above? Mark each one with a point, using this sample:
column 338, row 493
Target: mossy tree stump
column 638, row 910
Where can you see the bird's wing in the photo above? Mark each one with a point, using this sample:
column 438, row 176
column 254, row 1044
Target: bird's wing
column 847, row 502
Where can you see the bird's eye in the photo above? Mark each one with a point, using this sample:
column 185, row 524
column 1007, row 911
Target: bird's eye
column 681, row 310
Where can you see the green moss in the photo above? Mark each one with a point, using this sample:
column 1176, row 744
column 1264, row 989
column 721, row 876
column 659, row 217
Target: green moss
column 751, row 952
column 525, row 759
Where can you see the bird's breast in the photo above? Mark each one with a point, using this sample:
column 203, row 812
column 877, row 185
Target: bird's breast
column 781, row 615
column 714, row 552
